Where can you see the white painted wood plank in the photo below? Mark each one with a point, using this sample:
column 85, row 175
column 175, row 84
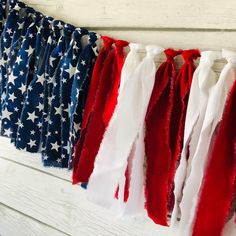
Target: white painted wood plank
column 58, row 204
column 13, row 223
column 32, row 160
column 137, row 13
column 62, row 206
column 182, row 39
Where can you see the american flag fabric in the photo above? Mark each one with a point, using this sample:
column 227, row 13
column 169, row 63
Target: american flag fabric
column 45, row 68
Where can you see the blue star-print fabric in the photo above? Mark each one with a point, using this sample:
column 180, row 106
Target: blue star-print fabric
column 29, row 133
column 52, row 153
column 67, row 76
column 79, row 90
column 50, row 67
column 2, row 14
column 45, row 71
column 18, row 79
column 5, row 46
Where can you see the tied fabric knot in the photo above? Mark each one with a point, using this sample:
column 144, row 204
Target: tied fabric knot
column 135, row 46
column 190, row 55
column 68, row 29
column 107, row 41
column 172, row 53
column 120, row 45
column 209, row 57
column 57, row 26
column 92, row 37
column 207, row 60
column 17, row 6
column 230, row 56
column 153, row 50
column 46, row 23
column 188, row 67
column 78, row 33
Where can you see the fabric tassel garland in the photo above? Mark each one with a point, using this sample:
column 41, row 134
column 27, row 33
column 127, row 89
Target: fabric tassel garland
column 141, row 139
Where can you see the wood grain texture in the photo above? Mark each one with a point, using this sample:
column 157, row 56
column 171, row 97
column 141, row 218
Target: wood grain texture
column 213, row 14
column 31, row 160
column 58, row 204
column 13, row 223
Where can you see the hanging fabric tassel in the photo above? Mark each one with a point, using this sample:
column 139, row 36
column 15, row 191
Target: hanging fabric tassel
column 132, row 61
column 220, row 175
column 6, row 44
column 214, row 111
column 66, row 81
column 79, row 90
column 17, row 85
column 157, row 147
column 53, row 141
column 203, row 79
column 110, row 166
column 93, row 88
column 50, row 71
column 29, row 133
column 182, row 87
column 108, row 85
column 51, row 63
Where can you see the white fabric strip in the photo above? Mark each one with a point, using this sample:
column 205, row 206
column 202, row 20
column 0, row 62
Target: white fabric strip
column 111, row 161
column 136, row 200
column 214, row 111
column 203, row 79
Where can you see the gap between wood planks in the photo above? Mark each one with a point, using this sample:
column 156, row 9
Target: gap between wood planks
column 30, row 217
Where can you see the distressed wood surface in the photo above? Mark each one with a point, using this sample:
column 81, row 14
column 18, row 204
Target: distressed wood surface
column 14, row 223
column 201, row 14
column 56, row 203
column 31, row 160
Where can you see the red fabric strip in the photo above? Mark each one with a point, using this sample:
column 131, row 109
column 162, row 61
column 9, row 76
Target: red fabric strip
column 180, row 102
column 157, row 147
column 101, row 114
column 93, row 88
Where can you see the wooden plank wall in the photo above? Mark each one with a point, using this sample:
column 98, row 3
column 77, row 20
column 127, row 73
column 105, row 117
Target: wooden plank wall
column 41, row 201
